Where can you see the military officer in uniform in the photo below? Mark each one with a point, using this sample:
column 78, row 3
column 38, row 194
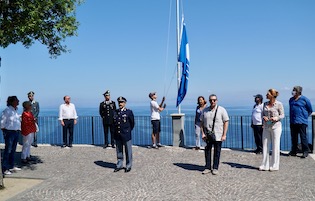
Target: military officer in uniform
column 123, row 123
column 35, row 111
column 106, row 110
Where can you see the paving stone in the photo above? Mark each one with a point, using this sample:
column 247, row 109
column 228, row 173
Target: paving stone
column 168, row 173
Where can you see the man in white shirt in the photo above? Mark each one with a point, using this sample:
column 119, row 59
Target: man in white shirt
column 68, row 118
column 257, row 123
column 155, row 119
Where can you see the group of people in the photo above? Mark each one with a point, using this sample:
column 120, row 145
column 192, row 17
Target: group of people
column 212, row 123
column 12, row 125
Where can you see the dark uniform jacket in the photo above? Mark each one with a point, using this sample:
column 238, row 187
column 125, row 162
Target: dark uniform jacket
column 106, row 111
column 123, row 124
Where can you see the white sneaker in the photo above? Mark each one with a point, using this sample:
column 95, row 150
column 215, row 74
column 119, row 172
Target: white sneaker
column 15, row 169
column 215, row 172
column 160, row 145
column 206, row 171
column 7, row 172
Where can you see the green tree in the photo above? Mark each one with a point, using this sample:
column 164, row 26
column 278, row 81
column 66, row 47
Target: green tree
column 46, row 21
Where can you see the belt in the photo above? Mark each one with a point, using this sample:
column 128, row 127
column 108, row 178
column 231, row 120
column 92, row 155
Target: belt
column 67, row 119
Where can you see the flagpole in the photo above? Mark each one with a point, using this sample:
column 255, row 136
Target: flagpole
column 178, row 120
column 178, row 47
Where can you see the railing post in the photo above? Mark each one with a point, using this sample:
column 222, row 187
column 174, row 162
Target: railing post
column 92, row 130
column 313, row 132
column 242, row 133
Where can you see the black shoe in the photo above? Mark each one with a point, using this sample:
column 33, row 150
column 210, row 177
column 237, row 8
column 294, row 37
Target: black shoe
column 105, row 146
column 25, row 162
column 70, row 145
column 291, row 153
column 127, row 169
column 34, row 145
column 257, row 151
column 113, row 146
column 63, row 146
column 117, row 169
column 305, row 154
column 30, row 159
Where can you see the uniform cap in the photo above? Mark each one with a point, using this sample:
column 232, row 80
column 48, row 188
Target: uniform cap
column 121, row 99
column 107, row 93
column 31, row 93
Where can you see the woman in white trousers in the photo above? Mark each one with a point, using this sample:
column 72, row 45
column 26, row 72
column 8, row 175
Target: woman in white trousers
column 202, row 104
column 28, row 128
column 273, row 112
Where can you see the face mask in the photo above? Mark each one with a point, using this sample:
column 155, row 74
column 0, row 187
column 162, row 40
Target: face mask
column 293, row 93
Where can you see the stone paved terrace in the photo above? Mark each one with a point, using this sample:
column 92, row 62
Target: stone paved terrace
column 170, row 173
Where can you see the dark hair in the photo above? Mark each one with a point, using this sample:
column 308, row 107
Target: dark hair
column 26, row 103
column 11, row 99
column 64, row 98
column 213, row 95
column 203, row 98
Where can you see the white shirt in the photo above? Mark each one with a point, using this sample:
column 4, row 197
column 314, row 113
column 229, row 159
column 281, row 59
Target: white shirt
column 257, row 114
column 155, row 114
column 10, row 119
column 67, row 111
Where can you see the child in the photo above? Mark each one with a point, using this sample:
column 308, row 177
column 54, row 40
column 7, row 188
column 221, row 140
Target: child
column 28, row 128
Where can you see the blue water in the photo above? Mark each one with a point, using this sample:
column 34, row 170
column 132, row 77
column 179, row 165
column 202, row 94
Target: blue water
column 145, row 111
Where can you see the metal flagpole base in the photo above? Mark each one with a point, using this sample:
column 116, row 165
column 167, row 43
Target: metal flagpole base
column 178, row 121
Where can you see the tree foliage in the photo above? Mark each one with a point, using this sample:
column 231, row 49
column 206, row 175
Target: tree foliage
column 46, row 21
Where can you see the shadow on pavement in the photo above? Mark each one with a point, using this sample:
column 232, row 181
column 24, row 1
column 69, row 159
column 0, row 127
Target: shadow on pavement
column 237, row 165
column 188, row 166
column 105, row 164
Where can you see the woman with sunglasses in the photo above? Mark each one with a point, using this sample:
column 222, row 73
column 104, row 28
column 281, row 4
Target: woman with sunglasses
column 273, row 112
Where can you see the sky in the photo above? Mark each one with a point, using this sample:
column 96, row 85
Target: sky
column 238, row 48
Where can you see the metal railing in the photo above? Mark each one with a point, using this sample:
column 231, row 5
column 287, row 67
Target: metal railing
column 89, row 130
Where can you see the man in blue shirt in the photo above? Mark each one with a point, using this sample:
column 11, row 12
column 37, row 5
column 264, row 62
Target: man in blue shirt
column 300, row 110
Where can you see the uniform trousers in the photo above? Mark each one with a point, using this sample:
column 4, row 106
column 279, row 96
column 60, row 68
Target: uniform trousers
column 109, row 127
column 120, row 146
column 271, row 136
column 27, row 142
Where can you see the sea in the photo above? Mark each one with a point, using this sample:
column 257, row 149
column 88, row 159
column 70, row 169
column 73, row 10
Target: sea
column 145, row 111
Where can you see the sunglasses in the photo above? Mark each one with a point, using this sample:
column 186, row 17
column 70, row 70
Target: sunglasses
column 212, row 100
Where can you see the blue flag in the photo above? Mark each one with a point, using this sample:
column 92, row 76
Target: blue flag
column 184, row 58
